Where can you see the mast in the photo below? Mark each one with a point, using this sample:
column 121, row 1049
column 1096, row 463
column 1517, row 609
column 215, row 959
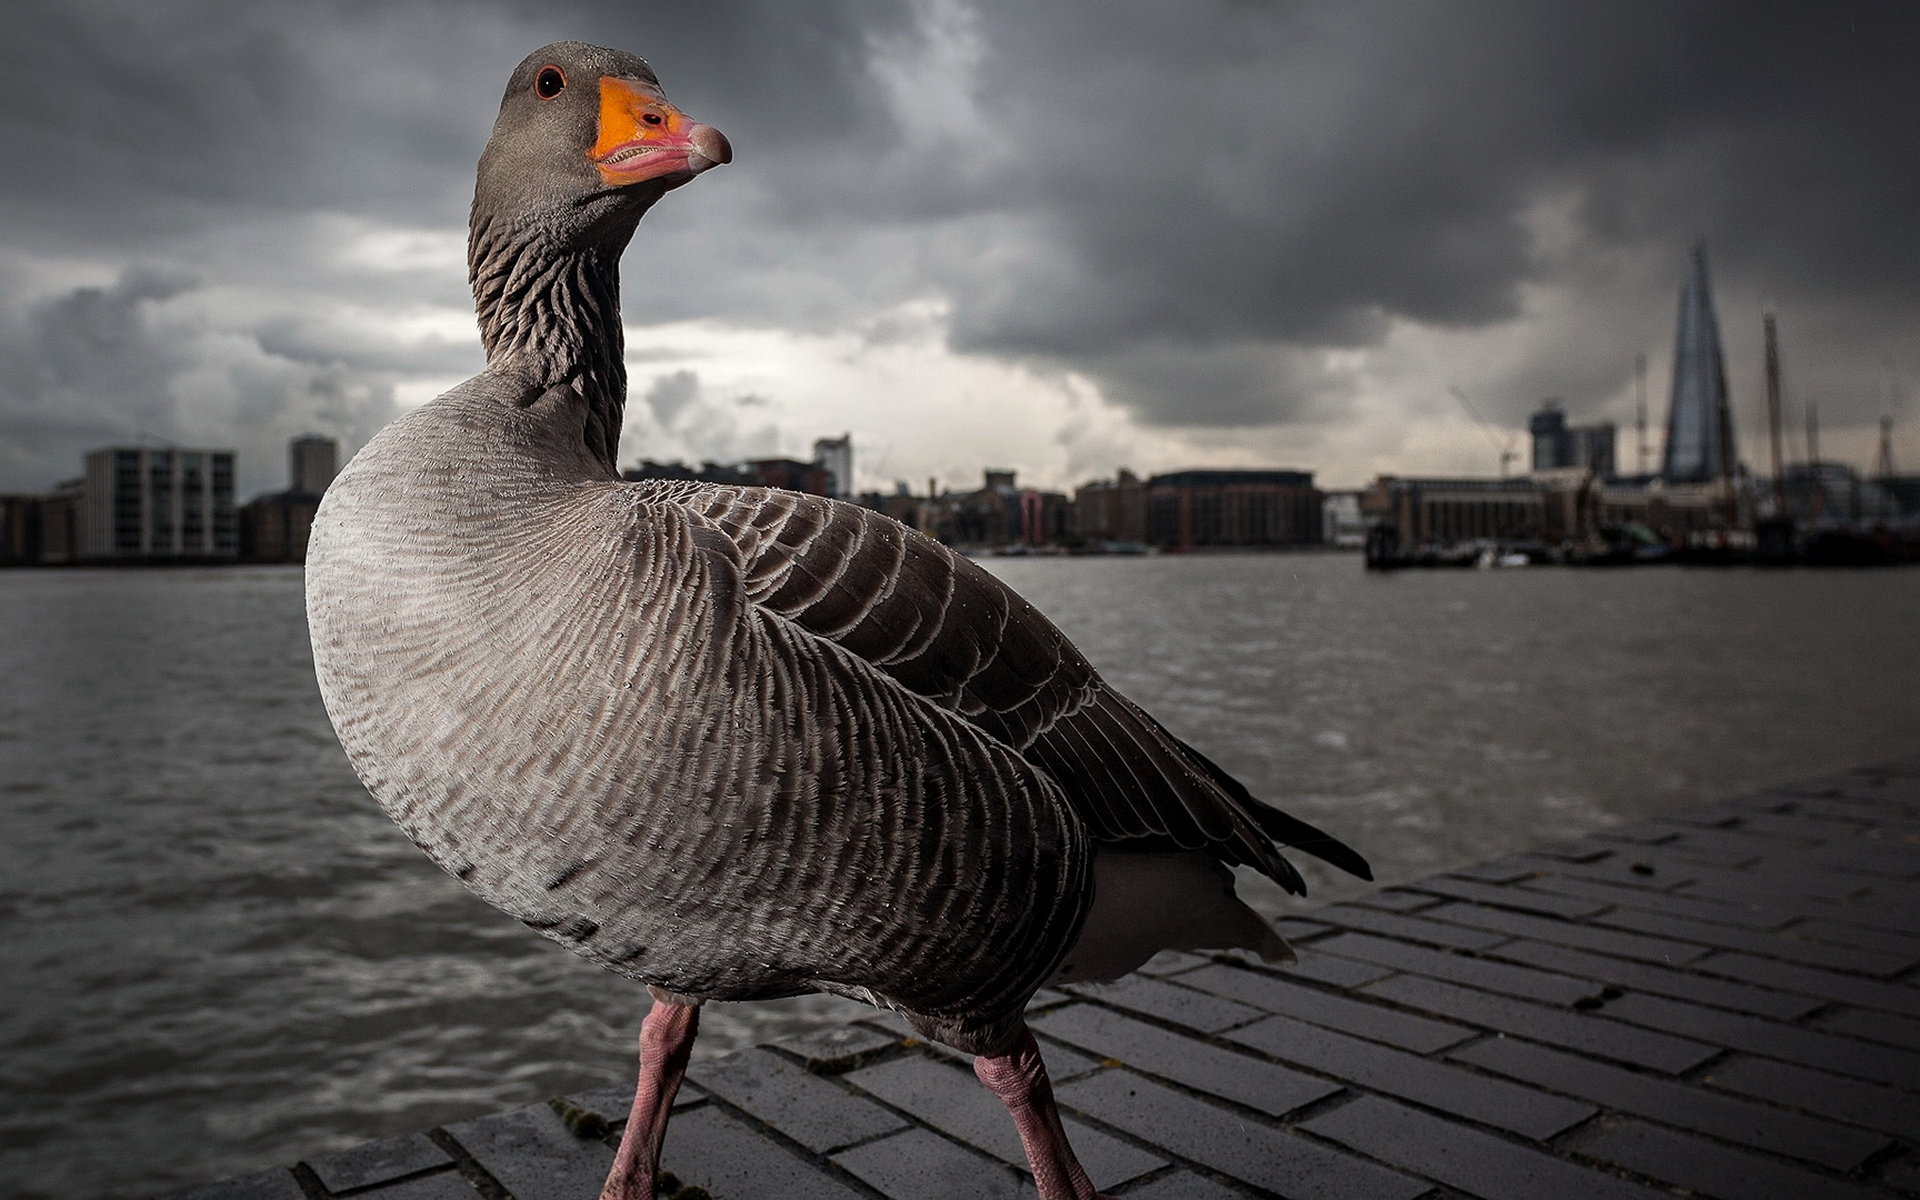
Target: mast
column 1883, row 464
column 1773, row 412
column 1640, row 409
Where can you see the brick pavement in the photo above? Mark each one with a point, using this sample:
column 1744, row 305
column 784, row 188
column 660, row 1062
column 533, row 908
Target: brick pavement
column 1724, row 1002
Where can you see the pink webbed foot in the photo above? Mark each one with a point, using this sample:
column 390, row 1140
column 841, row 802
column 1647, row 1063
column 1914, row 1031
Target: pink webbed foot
column 1020, row 1080
column 666, row 1043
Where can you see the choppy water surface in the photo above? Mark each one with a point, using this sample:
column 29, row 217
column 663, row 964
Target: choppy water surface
column 221, row 955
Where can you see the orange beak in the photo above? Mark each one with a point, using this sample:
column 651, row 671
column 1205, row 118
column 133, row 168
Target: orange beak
column 643, row 137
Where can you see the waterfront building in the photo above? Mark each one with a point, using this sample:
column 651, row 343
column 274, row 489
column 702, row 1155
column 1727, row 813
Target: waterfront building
column 1447, row 511
column 1558, row 446
column 998, row 513
column 274, row 527
column 1905, row 490
column 1674, row 512
column 1552, row 508
column 1112, row 510
column 706, row 472
column 835, row 457
column 147, row 503
column 1342, row 523
column 1233, row 508
column 19, row 530
column 936, row 517
column 1834, row 493
column 791, row 474
column 60, row 513
column 1046, row 518
column 989, row 516
column 1700, row 444
column 788, row 473
column 903, row 506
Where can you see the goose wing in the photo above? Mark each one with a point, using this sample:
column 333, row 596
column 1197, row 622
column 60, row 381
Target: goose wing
column 947, row 630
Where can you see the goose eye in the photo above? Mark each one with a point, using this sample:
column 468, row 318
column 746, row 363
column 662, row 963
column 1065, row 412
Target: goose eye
column 548, row 83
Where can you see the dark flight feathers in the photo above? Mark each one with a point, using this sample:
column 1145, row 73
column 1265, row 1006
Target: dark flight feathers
column 947, row 630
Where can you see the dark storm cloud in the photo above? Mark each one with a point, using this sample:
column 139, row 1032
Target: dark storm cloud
column 1183, row 200
column 124, row 122
column 87, row 366
column 1300, row 174
column 1188, row 202
column 127, row 119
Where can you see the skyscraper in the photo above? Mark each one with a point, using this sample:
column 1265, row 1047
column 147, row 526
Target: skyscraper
column 1699, row 417
column 835, row 457
column 312, row 462
column 1558, row 445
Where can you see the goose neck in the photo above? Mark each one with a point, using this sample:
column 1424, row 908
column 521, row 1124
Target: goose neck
column 550, row 314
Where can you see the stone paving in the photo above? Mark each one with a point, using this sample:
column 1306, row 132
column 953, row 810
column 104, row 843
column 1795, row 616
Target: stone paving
column 1723, row 1002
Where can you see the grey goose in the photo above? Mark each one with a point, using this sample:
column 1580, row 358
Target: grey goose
column 730, row 742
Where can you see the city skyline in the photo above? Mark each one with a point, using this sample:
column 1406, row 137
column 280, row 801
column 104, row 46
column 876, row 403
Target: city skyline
column 941, row 235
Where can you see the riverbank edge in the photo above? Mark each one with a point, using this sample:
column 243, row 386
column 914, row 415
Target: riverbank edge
column 1721, row 999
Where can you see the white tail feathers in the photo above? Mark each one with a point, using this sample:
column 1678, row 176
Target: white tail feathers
column 1146, row 903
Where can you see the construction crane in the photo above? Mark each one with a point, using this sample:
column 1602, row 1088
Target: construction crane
column 1507, row 452
column 1773, row 410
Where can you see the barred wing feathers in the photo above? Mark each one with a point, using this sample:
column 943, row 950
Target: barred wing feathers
column 947, row 630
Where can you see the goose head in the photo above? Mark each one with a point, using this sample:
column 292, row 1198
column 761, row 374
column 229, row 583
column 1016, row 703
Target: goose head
column 586, row 141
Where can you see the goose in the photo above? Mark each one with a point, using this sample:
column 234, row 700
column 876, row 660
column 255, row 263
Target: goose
column 735, row 743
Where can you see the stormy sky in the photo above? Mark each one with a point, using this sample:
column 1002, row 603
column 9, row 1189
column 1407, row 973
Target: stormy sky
column 1057, row 237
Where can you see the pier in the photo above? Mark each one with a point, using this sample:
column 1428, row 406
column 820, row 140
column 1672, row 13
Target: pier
column 1723, row 1002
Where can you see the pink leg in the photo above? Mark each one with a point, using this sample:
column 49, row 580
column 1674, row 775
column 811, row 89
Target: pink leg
column 1020, row 1080
column 666, row 1042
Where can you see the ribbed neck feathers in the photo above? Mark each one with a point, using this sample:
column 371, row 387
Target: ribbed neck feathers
column 551, row 314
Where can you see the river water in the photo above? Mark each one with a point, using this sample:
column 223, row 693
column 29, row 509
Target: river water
column 220, row 954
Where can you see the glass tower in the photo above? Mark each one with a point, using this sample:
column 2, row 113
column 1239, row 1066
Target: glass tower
column 1699, row 418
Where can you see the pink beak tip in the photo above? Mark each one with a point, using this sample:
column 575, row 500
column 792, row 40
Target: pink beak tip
column 710, row 148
